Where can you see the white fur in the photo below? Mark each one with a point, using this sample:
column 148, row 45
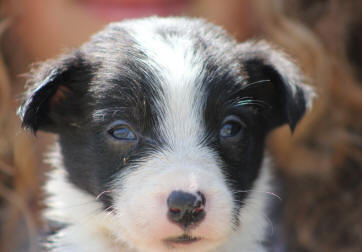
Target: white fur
column 91, row 229
column 88, row 226
column 180, row 68
column 141, row 202
column 253, row 219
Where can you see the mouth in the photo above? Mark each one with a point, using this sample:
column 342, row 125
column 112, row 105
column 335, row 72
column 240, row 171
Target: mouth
column 183, row 239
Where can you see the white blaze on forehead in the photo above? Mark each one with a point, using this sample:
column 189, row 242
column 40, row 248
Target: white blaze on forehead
column 180, row 70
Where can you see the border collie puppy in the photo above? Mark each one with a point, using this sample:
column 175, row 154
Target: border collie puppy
column 161, row 125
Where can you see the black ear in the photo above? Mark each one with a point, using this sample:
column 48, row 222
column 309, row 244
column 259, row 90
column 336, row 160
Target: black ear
column 56, row 88
column 275, row 81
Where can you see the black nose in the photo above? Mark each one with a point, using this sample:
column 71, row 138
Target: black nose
column 186, row 208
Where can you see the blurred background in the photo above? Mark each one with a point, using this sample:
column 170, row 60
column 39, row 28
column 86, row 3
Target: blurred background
column 319, row 167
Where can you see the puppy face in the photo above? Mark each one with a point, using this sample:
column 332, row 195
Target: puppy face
column 162, row 123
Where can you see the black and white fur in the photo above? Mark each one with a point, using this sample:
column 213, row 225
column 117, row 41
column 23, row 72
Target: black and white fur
column 191, row 108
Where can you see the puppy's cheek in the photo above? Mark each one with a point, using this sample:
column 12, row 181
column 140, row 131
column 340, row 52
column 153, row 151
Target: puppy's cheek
column 141, row 204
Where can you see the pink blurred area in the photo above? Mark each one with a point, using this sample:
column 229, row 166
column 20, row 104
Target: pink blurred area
column 321, row 163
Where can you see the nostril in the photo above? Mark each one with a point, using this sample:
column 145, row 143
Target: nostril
column 175, row 210
column 186, row 208
column 196, row 211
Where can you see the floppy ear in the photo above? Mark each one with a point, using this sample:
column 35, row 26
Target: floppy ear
column 53, row 100
column 274, row 80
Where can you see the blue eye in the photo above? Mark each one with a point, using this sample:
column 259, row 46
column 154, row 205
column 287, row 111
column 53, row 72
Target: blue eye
column 230, row 129
column 123, row 133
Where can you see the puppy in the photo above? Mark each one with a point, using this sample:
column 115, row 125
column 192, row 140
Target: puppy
column 161, row 125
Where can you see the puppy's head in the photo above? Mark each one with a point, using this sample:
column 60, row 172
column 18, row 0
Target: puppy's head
column 162, row 122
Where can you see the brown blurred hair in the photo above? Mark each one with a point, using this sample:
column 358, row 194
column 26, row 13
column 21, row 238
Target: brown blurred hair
column 18, row 181
column 322, row 162
column 333, row 125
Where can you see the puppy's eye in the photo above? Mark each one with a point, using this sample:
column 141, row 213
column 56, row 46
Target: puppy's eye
column 232, row 128
column 123, row 133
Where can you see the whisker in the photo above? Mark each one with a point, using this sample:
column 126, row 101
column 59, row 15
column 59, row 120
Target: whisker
column 245, row 101
column 247, row 85
column 109, row 212
column 252, row 102
column 269, row 193
column 106, row 210
column 101, row 194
